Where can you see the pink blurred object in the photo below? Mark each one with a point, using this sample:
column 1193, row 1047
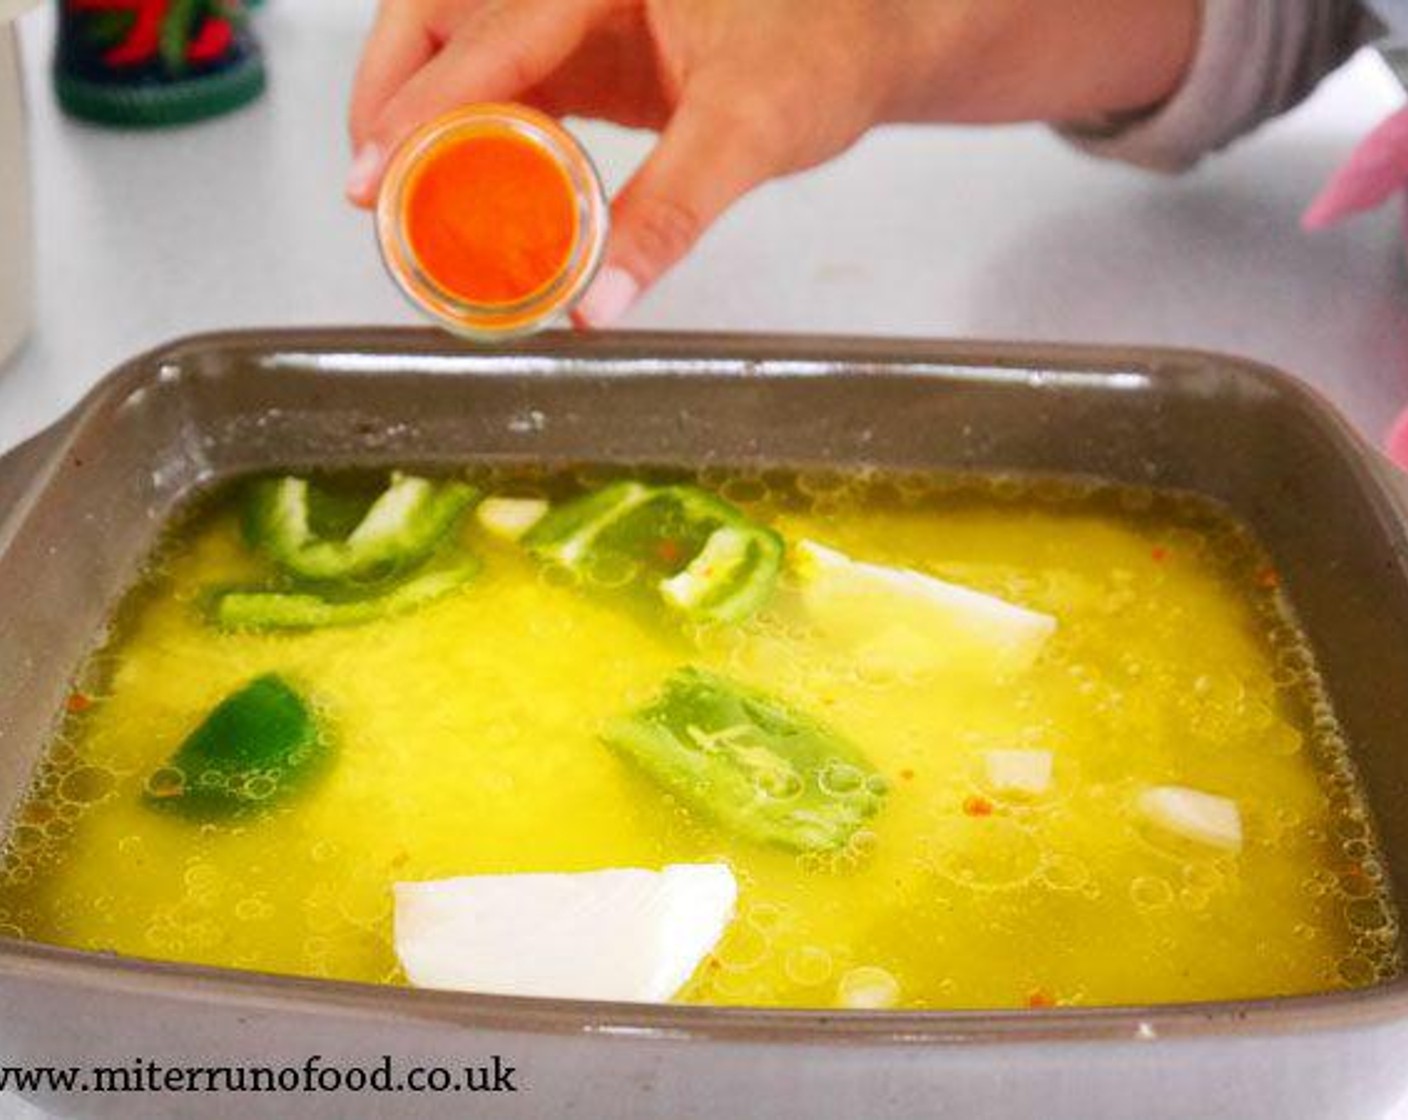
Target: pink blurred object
column 1376, row 171
column 1397, row 443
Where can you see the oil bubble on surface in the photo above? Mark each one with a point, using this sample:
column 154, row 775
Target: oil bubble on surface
column 868, row 988
column 1152, row 892
column 808, row 965
column 988, row 854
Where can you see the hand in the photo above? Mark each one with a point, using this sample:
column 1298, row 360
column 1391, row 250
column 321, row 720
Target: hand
column 729, row 82
column 746, row 90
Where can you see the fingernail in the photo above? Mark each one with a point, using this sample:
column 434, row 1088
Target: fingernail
column 1397, row 443
column 610, row 295
column 364, row 173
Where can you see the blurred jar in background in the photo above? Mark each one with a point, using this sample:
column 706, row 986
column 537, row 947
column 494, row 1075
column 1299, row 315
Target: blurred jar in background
column 154, row 63
column 16, row 239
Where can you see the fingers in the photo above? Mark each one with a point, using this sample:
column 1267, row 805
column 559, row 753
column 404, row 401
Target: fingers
column 613, row 75
column 399, row 44
column 708, row 157
column 505, row 49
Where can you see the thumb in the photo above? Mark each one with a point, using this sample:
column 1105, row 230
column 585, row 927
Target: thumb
column 708, row 157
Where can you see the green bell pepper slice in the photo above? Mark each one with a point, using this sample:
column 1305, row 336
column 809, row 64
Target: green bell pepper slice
column 753, row 764
column 731, row 578
column 261, row 609
column 703, row 557
column 403, row 525
column 255, row 747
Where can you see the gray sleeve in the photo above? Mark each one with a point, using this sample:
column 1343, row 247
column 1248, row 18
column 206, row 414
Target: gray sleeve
column 1255, row 59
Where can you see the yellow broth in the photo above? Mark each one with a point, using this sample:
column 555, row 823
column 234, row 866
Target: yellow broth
column 467, row 742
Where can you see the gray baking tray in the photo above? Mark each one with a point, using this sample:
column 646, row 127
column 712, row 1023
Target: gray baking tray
column 82, row 505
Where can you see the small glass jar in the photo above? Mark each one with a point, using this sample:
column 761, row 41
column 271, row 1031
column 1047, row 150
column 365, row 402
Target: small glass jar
column 410, row 189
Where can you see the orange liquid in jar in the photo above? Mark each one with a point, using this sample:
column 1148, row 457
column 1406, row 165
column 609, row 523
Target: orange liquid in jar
column 490, row 219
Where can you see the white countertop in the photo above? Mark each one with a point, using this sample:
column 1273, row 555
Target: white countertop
column 939, row 232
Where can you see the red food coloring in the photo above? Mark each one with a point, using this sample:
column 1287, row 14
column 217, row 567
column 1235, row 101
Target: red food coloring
column 1040, row 997
column 1268, row 578
column 77, row 702
column 1356, row 873
column 669, row 551
column 977, row 806
column 1158, row 555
